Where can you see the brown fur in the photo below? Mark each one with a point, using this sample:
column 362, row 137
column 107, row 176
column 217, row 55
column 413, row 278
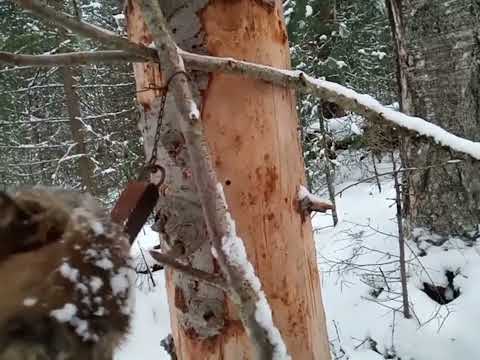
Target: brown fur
column 59, row 251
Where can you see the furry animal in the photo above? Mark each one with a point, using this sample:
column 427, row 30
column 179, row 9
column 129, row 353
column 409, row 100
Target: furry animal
column 65, row 277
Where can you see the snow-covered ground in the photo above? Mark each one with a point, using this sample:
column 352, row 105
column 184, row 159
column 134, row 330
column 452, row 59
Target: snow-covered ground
column 151, row 322
column 359, row 261
column 350, row 258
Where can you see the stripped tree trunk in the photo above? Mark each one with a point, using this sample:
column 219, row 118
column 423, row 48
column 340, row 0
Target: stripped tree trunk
column 251, row 129
column 442, row 60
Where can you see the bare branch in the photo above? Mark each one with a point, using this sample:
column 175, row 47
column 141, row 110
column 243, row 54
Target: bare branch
column 308, row 205
column 108, row 38
column 148, row 270
column 75, row 58
column 196, row 274
column 346, row 98
column 401, row 170
column 309, row 202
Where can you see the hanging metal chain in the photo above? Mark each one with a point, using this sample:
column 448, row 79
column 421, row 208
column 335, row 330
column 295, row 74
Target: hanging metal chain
column 152, row 165
column 158, row 132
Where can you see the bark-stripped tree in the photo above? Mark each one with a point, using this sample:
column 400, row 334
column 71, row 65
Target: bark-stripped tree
column 439, row 75
column 251, row 129
column 239, row 113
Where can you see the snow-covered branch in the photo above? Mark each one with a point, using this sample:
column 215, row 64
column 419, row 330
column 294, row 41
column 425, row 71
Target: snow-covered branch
column 236, row 257
column 346, row 98
column 310, row 202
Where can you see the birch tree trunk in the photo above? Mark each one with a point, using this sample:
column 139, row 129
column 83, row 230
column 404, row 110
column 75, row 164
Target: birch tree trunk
column 443, row 79
column 251, row 129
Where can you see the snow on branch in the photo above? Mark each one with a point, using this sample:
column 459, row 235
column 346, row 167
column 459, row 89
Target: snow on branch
column 346, row 98
column 310, row 202
column 236, row 255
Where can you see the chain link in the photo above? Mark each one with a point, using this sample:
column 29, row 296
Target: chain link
column 158, row 133
column 153, row 158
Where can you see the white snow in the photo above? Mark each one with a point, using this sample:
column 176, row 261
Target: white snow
column 221, row 193
column 65, row 314
column 104, row 263
column 194, row 112
column 263, row 315
column 68, row 272
column 30, row 301
column 341, row 64
column 120, row 282
column 379, row 54
column 97, row 227
column 421, row 126
column 95, row 283
column 94, row 224
column 345, row 126
column 151, row 317
column 235, row 251
column 93, row 5
column 304, row 193
column 442, row 332
column 308, row 11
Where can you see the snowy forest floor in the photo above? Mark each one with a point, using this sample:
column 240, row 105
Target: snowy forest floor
column 358, row 260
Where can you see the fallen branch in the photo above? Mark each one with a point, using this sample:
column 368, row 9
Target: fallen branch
column 346, row 98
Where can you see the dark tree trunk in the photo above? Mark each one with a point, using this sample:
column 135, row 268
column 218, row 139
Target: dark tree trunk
column 85, row 165
column 443, row 79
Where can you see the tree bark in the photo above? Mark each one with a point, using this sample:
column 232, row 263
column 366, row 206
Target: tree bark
column 443, row 80
column 85, row 165
column 251, row 129
column 85, row 168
